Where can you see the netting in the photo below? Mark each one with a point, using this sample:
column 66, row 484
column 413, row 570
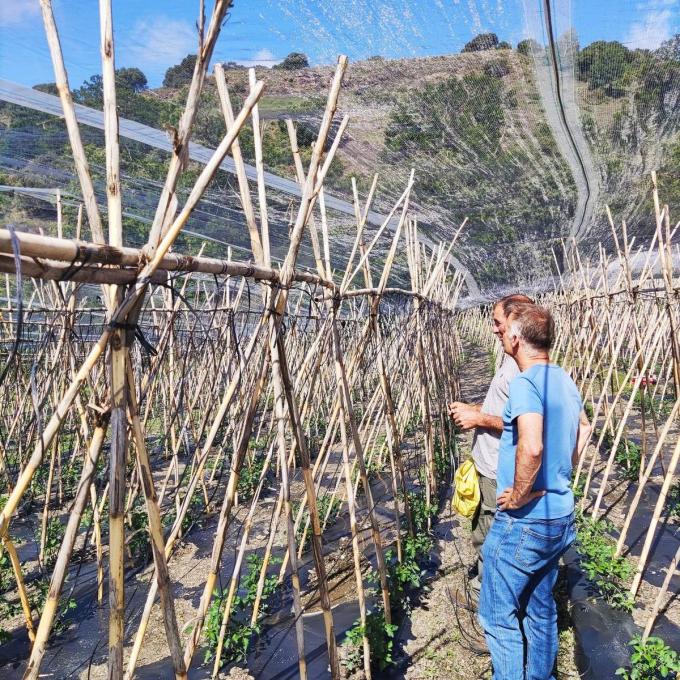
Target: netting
column 525, row 117
column 231, row 328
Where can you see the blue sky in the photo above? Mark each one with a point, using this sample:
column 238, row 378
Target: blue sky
column 155, row 34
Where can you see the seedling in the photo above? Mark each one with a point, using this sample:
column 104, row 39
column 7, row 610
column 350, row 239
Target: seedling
column 652, row 659
column 607, row 571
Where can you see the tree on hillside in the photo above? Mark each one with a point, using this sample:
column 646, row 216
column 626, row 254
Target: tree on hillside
column 50, row 88
column 128, row 80
column 657, row 95
column 670, row 49
column 294, row 61
column 91, row 92
column 603, row 64
column 131, row 100
column 132, row 79
column 180, row 74
column 528, row 47
column 497, row 68
column 568, row 46
column 504, row 45
column 484, row 41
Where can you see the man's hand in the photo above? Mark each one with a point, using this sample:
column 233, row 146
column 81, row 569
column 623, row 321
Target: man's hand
column 508, row 500
column 466, row 416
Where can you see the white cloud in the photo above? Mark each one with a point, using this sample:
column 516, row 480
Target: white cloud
column 16, row 11
column 655, row 4
column 159, row 41
column 654, row 27
column 263, row 57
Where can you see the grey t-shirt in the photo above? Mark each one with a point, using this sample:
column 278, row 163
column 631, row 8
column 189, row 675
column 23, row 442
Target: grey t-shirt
column 486, row 442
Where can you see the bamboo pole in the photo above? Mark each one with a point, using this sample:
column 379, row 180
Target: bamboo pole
column 647, row 473
column 64, row 90
column 59, row 574
column 156, row 533
column 206, row 44
column 244, row 189
column 123, row 309
column 672, row 568
column 21, row 588
column 658, row 509
column 117, row 366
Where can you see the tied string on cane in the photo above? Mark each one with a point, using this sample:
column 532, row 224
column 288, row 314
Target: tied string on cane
column 134, row 327
column 82, row 256
column 312, row 302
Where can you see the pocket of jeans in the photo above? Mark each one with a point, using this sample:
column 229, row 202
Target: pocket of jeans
column 535, row 548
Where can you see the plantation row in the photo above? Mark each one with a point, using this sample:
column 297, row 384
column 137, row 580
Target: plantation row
column 617, row 321
column 189, row 442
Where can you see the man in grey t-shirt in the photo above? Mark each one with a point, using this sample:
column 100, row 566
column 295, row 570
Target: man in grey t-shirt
column 487, row 422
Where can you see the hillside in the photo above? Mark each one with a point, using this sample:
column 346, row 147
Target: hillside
column 473, row 126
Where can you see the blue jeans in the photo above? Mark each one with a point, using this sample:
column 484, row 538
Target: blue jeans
column 516, row 605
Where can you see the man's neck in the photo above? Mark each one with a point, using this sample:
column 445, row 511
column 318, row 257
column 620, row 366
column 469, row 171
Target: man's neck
column 525, row 361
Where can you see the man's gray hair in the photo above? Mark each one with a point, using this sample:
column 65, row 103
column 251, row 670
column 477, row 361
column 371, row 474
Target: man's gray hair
column 534, row 325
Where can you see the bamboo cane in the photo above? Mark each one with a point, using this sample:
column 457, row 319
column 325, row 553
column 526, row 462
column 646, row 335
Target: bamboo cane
column 672, row 568
column 658, row 509
column 50, row 609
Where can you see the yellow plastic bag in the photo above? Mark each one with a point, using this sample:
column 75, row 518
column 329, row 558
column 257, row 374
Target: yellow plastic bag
column 466, row 490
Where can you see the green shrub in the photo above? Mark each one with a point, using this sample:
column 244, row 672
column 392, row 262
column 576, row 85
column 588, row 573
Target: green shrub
column 250, row 478
column 70, row 477
column 481, row 42
column 192, row 515
column 180, row 74
column 673, row 500
column 579, row 488
column 528, row 46
column 293, row 62
column 629, row 458
column 380, row 641
column 53, row 539
column 8, row 608
column 421, row 511
column 138, row 540
column 239, row 632
column 650, row 660
column 323, row 503
column 604, row 65
column 608, row 572
column 442, row 458
column 406, row 578
column 37, row 598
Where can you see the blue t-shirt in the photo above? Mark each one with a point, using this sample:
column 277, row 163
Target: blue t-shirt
column 548, row 390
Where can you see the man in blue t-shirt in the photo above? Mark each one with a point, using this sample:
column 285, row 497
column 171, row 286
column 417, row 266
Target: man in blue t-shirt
column 544, row 430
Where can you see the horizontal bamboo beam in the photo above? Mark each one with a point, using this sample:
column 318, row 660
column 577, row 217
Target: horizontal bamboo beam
column 78, row 253
column 52, row 253
column 51, row 270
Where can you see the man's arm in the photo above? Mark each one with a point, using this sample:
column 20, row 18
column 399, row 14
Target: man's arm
column 528, row 461
column 582, row 438
column 469, row 416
